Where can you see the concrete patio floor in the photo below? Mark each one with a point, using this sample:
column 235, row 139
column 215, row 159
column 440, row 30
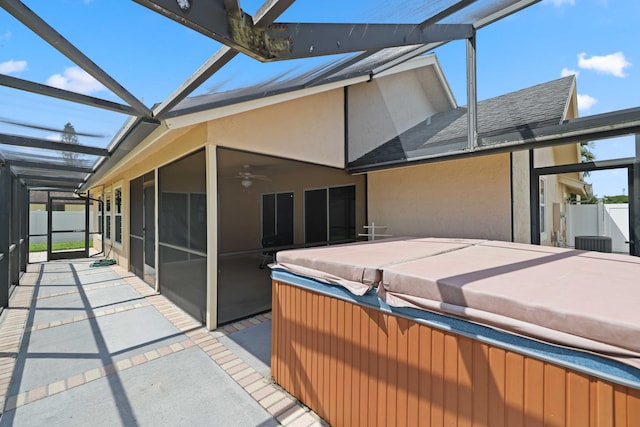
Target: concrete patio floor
column 83, row 345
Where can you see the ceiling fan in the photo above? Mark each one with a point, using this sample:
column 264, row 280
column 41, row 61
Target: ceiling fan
column 247, row 177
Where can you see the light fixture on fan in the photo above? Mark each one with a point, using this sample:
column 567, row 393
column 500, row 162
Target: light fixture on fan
column 247, row 177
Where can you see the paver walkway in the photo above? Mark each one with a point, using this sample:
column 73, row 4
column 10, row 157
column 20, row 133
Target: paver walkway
column 82, row 345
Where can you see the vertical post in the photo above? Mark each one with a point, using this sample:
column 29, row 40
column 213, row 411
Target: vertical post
column 86, row 226
column 24, row 224
column 5, row 193
column 212, row 237
column 49, row 225
column 472, row 94
column 16, row 210
column 534, row 198
column 634, row 203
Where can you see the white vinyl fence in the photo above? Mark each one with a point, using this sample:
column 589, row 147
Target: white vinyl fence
column 600, row 220
column 63, row 220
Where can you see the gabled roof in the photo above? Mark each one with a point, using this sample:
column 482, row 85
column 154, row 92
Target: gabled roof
column 521, row 111
column 202, row 108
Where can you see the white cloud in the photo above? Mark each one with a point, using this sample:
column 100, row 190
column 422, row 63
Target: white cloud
column 5, row 36
column 77, row 80
column 613, row 64
column 12, row 66
column 559, row 3
column 585, row 102
column 567, row 72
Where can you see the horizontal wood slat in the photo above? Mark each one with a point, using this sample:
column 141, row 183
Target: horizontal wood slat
column 356, row 366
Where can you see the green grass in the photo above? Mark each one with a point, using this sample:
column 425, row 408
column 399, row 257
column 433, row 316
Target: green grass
column 57, row 246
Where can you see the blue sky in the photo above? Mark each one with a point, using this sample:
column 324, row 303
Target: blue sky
column 150, row 56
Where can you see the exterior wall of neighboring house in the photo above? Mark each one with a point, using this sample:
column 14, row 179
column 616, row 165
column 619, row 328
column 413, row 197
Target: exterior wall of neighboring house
column 458, row 198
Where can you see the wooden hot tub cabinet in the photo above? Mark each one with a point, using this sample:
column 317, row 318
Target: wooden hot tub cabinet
column 358, row 365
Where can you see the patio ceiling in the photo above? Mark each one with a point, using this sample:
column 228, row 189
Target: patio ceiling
column 275, row 33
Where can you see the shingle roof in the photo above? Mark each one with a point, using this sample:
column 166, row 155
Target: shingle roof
column 520, row 111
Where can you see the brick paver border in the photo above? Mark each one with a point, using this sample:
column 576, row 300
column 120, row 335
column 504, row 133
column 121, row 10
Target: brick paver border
column 280, row 404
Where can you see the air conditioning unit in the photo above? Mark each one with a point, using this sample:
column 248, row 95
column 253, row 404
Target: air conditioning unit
column 594, row 243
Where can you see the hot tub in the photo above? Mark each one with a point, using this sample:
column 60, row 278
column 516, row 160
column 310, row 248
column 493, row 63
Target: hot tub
column 458, row 332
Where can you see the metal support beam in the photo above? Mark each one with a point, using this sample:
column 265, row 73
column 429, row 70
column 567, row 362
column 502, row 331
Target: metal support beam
column 634, row 202
column 24, row 230
column 598, row 165
column 357, row 58
column 51, row 179
column 39, row 26
column 309, row 40
column 472, row 94
column 265, row 17
column 14, row 232
column 53, row 92
column 5, row 194
column 50, row 166
column 206, row 70
column 588, row 128
column 46, row 144
column 280, row 41
column 42, row 187
column 534, row 200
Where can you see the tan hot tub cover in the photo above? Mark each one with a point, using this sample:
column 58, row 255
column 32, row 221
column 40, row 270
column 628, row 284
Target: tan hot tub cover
column 581, row 299
column 358, row 266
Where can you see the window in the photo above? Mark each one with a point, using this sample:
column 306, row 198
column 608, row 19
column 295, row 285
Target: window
column 118, row 214
column 277, row 218
column 100, row 215
column 542, row 207
column 107, row 234
column 330, row 214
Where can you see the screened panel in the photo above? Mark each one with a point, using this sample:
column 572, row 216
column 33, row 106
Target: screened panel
column 183, row 229
column 135, row 207
column 183, row 279
column 268, row 215
column 136, row 227
column 136, row 256
column 284, row 219
column 342, row 213
column 315, row 215
column 149, row 226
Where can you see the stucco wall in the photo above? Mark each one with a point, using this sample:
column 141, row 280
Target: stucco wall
column 381, row 109
column 461, row 198
column 310, row 129
column 521, row 197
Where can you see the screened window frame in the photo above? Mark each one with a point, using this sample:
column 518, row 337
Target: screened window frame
column 275, row 209
column 327, row 190
column 117, row 208
column 108, row 210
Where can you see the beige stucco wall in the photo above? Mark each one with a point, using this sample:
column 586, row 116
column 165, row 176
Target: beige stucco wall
column 309, row 129
column 521, row 197
column 460, row 198
column 385, row 107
